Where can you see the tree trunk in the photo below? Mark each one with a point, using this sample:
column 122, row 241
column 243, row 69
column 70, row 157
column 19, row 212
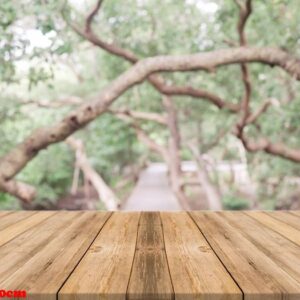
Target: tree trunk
column 106, row 195
column 173, row 160
column 15, row 160
column 212, row 193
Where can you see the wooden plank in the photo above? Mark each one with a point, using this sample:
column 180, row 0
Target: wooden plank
column 268, row 241
column 195, row 270
column 150, row 278
column 259, row 277
column 4, row 213
column 10, row 218
column 104, row 271
column 150, row 236
column 150, row 218
column 286, row 217
column 21, row 222
column 295, row 212
column 40, row 260
column 281, row 227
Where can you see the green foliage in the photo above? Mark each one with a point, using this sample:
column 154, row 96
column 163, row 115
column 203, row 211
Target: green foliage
column 232, row 202
column 51, row 172
column 43, row 60
column 111, row 144
column 36, row 75
column 8, row 202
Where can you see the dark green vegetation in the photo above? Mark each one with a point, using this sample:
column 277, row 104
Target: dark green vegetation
column 47, row 69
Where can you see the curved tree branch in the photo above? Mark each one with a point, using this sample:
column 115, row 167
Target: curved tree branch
column 26, row 193
column 13, row 162
column 245, row 8
column 173, row 90
column 105, row 193
column 245, row 11
column 156, row 80
column 277, row 149
column 263, row 144
column 91, row 15
column 169, row 153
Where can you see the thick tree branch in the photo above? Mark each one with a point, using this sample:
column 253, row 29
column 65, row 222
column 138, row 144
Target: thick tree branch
column 171, row 153
column 17, row 158
column 173, row 90
column 277, row 149
column 174, row 160
column 20, row 190
column 172, row 123
column 106, row 195
column 156, row 80
column 263, row 143
column 213, row 195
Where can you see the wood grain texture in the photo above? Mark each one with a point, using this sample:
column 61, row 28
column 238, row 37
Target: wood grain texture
column 268, row 241
column 195, row 270
column 104, row 271
column 4, row 213
column 281, row 227
column 295, row 212
column 259, row 277
column 18, row 223
column 150, row 278
column 286, row 217
column 40, row 260
column 151, row 255
column 10, row 218
column 150, row 218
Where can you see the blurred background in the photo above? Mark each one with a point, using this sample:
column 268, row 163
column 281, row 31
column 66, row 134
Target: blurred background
column 148, row 151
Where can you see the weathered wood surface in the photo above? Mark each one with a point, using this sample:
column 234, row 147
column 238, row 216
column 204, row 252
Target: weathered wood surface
column 151, row 255
column 150, row 278
column 41, row 259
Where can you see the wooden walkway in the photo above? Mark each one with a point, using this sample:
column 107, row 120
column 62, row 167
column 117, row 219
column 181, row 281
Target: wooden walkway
column 167, row 255
column 152, row 192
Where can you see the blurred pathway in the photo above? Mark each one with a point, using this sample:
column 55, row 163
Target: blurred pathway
column 152, row 191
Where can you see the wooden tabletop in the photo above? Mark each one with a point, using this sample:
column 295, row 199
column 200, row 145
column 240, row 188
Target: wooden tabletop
column 196, row 255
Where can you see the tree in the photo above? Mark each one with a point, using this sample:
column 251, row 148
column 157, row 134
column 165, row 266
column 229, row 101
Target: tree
column 149, row 69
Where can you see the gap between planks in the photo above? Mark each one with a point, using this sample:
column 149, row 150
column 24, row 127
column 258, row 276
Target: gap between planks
column 277, row 225
column 150, row 256
column 39, row 263
column 87, row 249
column 258, row 274
column 169, row 250
column 150, row 277
column 17, row 223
